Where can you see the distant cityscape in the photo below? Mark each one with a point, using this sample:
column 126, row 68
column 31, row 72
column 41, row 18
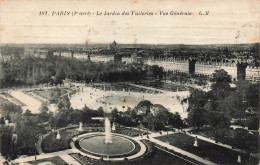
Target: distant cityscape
column 239, row 60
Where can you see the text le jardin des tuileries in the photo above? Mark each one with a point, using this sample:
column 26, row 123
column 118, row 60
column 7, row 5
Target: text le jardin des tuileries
column 122, row 13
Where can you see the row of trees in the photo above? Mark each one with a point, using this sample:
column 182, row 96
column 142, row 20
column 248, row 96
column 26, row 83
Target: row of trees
column 54, row 69
column 180, row 77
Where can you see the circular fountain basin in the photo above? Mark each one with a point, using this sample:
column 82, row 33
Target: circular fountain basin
column 96, row 145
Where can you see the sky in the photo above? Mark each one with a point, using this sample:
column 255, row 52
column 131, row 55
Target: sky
column 228, row 21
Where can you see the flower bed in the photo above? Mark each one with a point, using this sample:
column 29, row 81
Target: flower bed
column 129, row 132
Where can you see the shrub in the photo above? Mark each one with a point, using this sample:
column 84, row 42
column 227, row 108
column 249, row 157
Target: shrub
column 51, row 144
column 253, row 122
column 240, row 122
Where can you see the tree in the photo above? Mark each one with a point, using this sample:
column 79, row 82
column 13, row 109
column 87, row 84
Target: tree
column 60, row 75
column 28, row 113
column 221, row 84
column 161, row 116
column 144, row 107
column 157, row 72
column 218, row 119
column 253, row 95
column 31, row 132
column 64, row 103
column 55, row 95
column 133, row 115
column 245, row 140
column 253, row 122
column 44, row 109
column 238, row 101
column 100, row 112
column 198, row 98
column 10, row 108
column 232, row 106
column 86, row 117
column 76, row 116
column 44, row 116
column 175, row 120
column 5, row 140
column 148, row 121
column 197, row 117
column 114, row 115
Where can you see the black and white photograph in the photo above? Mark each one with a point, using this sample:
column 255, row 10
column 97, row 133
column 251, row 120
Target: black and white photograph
column 129, row 82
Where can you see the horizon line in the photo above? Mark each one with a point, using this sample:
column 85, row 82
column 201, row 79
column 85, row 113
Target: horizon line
column 107, row 43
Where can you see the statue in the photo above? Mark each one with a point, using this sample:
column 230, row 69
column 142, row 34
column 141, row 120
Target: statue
column 114, row 126
column 6, row 121
column 14, row 138
column 239, row 158
column 80, row 126
column 196, row 142
column 58, row 135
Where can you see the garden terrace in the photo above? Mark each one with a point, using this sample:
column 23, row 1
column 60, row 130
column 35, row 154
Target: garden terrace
column 4, row 101
column 165, row 149
column 153, row 156
column 52, row 160
column 17, row 102
column 34, row 96
column 207, row 150
column 129, row 131
column 121, row 87
column 165, row 86
column 250, row 139
column 51, row 144
column 49, row 94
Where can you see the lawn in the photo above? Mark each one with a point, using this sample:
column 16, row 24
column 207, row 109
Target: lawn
column 47, row 94
column 210, row 151
column 165, row 86
column 7, row 95
column 53, row 160
column 51, row 144
column 129, row 132
column 35, row 97
column 122, row 87
column 4, row 101
column 158, row 157
column 239, row 138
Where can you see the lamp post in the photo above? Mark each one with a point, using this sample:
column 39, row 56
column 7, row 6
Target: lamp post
column 35, row 158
